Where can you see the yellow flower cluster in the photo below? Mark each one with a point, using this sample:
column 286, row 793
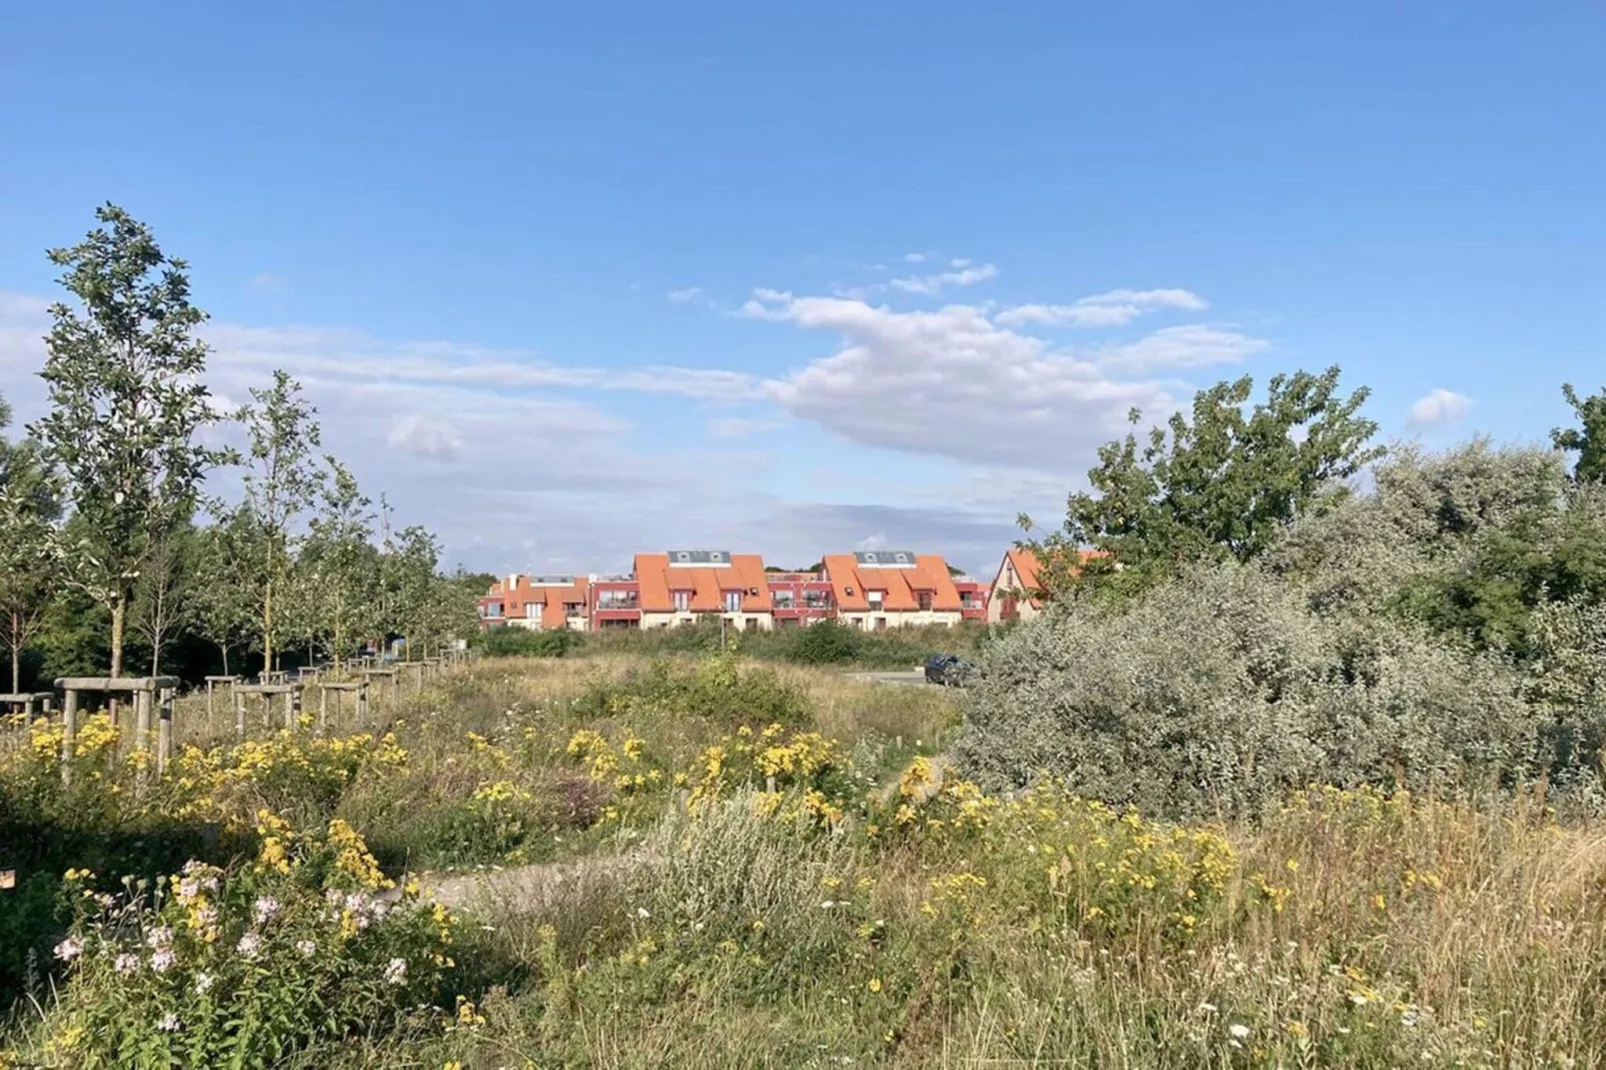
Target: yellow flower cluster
column 353, row 858
column 748, row 757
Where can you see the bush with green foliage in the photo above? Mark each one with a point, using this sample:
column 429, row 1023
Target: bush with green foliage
column 523, row 643
column 1222, row 690
column 718, row 689
column 827, row 642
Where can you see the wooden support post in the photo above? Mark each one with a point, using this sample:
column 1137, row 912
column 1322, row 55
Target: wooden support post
column 142, row 719
column 209, row 684
column 362, row 706
column 239, row 716
column 69, row 733
column 164, row 733
column 323, row 710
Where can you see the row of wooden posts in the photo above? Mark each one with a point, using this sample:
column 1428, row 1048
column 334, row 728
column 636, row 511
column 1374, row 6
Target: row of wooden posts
column 152, row 699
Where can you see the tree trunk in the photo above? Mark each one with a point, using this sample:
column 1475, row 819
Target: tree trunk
column 267, row 628
column 119, row 611
column 16, row 652
column 225, row 648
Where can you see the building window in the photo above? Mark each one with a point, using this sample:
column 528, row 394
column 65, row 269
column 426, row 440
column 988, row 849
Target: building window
column 875, row 598
column 532, row 610
column 616, row 600
column 493, row 610
column 925, row 600
column 682, row 601
column 881, row 624
column 783, row 599
column 733, row 601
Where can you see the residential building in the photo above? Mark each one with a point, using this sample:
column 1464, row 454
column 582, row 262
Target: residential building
column 798, row 599
column 1017, row 586
column 1013, row 595
column 973, row 597
column 540, row 603
column 679, row 586
column 880, row 589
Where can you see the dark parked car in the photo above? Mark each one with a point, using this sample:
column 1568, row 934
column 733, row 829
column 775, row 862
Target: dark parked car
column 949, row 670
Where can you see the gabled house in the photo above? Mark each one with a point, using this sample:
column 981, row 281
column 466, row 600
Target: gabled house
column 1017, row 586
column 880, row 589
column 540, row 603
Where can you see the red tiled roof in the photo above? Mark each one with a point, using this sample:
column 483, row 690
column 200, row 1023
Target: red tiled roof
column 707, row 584
column 902, row 585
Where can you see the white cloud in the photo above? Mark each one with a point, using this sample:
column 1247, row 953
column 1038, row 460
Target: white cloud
column 934, row 284
column 1190, row 346
column 425, row 437
column 914, row 258
column 690, row 293
column 952, row 383
column 1438, row 407
column 1111, row 309
column 264, row 282
column 959, row 263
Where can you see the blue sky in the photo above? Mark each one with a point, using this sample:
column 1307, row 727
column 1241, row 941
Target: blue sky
column 796, row 278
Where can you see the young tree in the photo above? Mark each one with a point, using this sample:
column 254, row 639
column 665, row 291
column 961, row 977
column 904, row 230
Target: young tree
column 222, row 594
column 1588, row 440
column 28, row 573
column 124, row 373
column 161, row 605
column 282, row 480
column 1221, row 485
column 410, row 570
column 341, row 554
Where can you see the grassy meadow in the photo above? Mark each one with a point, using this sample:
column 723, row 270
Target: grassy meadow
column 703, row 860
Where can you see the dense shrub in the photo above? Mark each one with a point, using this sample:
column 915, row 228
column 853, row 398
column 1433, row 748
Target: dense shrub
column 1222, row 690
column 827, row 643
column 718, row 689
column 523, row 643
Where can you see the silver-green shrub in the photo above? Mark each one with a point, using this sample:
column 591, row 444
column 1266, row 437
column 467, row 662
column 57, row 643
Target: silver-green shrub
column 1223, row 689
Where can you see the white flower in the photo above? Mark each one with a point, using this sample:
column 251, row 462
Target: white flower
column 169, row 1023
column 1207, row 1008
column 265, row 907
column 159, row 938
column 163, row 960
column 69, row 949
column 127, row 962
column 1408, row 1019
column 1239, row 1032
column 203, row 983
column 643, row 912
column 249, row 945
column 828, row 904
column 396, row 972
column 189, row 888
column 105, row 901
column 306, row 947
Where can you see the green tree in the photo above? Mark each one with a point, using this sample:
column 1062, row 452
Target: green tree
column 162, row 602
column 222, row 595
column 341, row 555
column 124, row 374
column 1219, row 485
column 282, row 480
column 29, row 507
column 1588, row 440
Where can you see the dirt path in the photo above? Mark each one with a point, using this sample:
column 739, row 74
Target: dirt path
column 524, row 888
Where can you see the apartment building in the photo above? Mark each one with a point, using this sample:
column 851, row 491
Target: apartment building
column 874, row 590
column 880, row 589
column 540, row 603
column 679, row 586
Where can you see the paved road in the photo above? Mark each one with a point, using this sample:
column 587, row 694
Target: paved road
column 909, row 678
